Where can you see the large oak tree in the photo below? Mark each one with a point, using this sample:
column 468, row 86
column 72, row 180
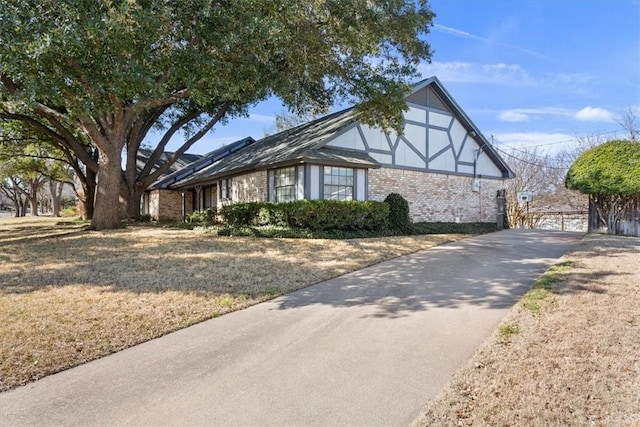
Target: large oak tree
column 109, row 71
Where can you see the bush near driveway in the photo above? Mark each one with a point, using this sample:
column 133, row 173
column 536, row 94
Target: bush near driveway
column 309, row 214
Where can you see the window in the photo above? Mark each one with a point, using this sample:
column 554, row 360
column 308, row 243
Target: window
column 225, row 189
column 338, row 183
column 207, row 197
column 285, row 184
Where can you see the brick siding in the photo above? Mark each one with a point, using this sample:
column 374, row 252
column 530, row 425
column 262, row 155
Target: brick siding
column 438, row 197
column 166, row 205
column 251, row 187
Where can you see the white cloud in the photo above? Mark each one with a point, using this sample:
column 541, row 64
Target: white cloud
column 547, row 111
column 594, row 114
column 459, row 33
column 467, row 72
column 261, row 118
column 527, row 114
column 504, row 74
column 552, row 141
column 513, row 116
column 468, row 35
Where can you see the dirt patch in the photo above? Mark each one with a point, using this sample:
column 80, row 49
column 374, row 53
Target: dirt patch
column 574, row 361
column 67, row 296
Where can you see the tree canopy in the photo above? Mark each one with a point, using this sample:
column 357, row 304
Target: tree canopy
column 612, row 168
column 103, row 73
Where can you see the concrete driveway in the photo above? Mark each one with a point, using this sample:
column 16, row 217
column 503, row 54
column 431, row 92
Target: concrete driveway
column 368, row 348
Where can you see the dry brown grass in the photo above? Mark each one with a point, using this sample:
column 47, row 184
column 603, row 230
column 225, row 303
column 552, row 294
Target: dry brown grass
column 68, row 296
column 576, row 362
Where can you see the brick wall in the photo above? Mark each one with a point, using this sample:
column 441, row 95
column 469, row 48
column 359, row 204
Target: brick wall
column 166, row 205
column 437, row 197
column 251, row 187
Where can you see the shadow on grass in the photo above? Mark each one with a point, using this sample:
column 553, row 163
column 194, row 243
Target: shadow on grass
column 490, row 271
column 142, row 260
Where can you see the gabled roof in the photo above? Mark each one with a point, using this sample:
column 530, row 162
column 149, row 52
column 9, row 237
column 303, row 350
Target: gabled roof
column 143, row 155
column 452, row 105
column 201, row 163
column 306, row 143
column 295, row 145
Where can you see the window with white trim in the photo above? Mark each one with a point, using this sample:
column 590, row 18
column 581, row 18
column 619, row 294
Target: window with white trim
column 338, row 183
column 285, row 184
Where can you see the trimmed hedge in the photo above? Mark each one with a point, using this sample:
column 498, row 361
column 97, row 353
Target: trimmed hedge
column 309, row 214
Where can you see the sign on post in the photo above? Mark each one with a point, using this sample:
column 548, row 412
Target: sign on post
column 525, row 196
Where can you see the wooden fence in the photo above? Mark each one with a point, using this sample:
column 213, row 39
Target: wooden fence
column 627, row 225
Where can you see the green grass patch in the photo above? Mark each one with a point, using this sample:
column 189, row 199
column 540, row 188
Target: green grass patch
column 506, row 331
column 545, row 285
column 271, row 291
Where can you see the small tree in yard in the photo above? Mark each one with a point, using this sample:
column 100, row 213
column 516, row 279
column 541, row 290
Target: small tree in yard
column 106, row 73
column 610, row 175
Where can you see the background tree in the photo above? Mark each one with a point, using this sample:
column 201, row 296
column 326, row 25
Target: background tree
column 9, row 188
column 22, row 166
column 630, row 123
column 610, row 175
column 59, row 175
column 19, row 130
column 108, row 72
column 543, row 174
column 287, row 120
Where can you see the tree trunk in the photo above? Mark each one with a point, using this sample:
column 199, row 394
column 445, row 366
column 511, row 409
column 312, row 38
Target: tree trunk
column 13, row 196
column 90, row 194
column 106, row 214
column 22, row 204
column 16, row 206
column 55, row 188
column 33, row 198
column 132, row 202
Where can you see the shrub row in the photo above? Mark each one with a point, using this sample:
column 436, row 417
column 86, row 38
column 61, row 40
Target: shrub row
column 207, row 216
column 309, row 214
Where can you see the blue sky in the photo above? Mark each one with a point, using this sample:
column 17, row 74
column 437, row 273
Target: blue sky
column 530, row 73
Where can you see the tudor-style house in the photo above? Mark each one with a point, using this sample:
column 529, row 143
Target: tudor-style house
column 442, row 165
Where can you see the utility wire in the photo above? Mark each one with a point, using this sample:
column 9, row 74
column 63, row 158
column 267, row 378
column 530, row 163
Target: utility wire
column 530, row 153
column 576, row 139
column 529, row 162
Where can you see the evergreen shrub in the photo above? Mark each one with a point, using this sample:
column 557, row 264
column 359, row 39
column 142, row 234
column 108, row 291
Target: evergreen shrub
column 399, row 218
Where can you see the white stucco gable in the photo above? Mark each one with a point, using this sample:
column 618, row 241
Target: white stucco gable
column 438, row 137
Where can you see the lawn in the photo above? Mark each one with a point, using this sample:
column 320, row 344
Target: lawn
column 568, row 354
column 68, row 296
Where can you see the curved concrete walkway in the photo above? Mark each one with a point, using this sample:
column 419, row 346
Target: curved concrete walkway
column 368, row 348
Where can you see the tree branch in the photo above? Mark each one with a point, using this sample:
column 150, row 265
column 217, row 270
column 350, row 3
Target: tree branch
column 8, row 83
column 180, row 151
column 157, row 152
column 63, row 137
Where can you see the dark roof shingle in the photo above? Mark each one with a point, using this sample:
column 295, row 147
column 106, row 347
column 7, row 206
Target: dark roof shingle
column 302, row 143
